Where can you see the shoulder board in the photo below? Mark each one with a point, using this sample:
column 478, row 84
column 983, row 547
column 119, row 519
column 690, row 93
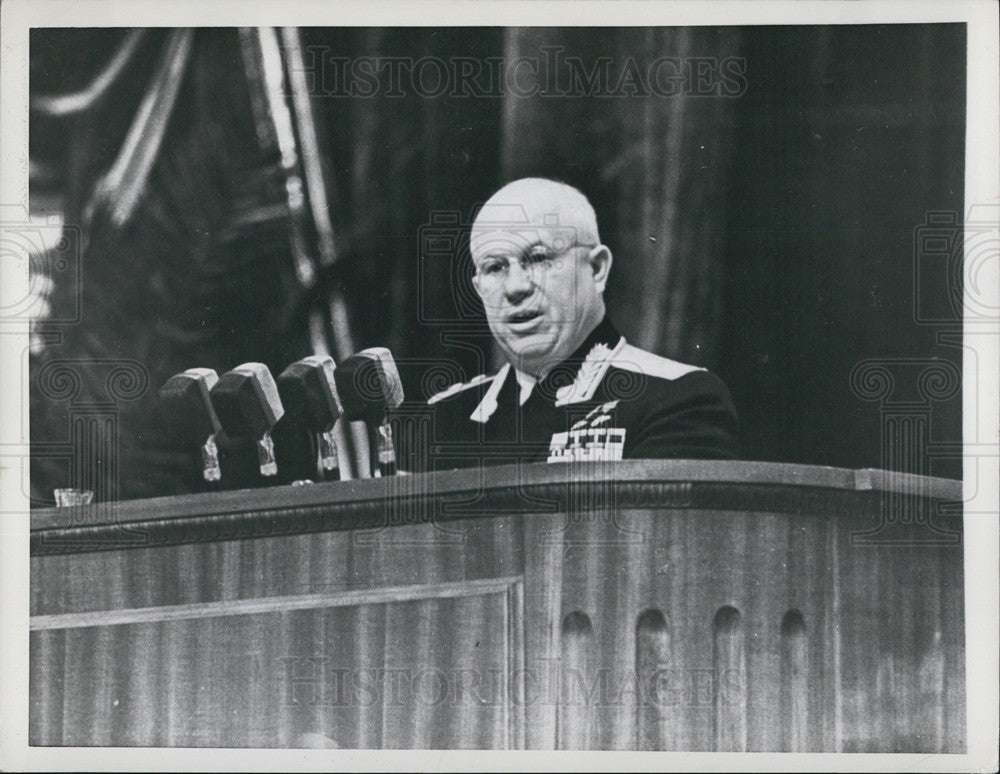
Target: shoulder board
column 457, row 388
column 640, row 361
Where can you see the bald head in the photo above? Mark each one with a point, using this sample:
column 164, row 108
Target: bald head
column 534, row 203
column 540, row 269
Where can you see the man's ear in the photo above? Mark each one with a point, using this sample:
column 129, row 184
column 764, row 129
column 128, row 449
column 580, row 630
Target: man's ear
column 600, row 261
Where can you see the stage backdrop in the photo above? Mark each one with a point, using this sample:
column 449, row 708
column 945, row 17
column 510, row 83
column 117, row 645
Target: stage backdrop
column 765, row 201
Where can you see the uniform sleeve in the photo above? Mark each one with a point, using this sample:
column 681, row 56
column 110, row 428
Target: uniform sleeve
column 693, row 418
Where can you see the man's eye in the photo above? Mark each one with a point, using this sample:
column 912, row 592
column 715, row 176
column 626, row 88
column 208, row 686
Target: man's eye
column 538, row 255
column 493, row 267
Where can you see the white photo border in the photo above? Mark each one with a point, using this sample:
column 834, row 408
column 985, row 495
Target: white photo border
column 982, row 537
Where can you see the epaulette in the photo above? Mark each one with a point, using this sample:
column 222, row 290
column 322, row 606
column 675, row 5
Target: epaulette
column 459, row 387
column 640, row 361
column 589, row 375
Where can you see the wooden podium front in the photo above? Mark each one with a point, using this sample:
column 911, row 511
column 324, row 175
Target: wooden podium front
column 652, row 605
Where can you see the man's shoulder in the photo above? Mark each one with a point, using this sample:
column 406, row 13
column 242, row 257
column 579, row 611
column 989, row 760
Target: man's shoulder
column 671, row 409
column 639, row 361
column 654, row 380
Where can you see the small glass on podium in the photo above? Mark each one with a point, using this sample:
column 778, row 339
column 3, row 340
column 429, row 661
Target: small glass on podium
column 68, row 498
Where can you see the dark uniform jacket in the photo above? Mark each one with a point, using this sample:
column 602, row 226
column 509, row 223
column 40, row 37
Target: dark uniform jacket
column 607, row 401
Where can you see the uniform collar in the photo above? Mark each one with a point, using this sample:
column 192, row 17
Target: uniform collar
column 488, row 404
column 573, row 380
column 576, row 379
column 526, row 383
column 604, row 334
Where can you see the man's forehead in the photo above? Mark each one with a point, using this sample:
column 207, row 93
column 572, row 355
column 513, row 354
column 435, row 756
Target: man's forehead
column 508, row 239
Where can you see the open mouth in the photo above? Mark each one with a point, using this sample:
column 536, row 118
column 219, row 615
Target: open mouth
column 524, row 316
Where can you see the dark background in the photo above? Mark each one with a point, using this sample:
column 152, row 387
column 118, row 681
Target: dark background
column 771, row 235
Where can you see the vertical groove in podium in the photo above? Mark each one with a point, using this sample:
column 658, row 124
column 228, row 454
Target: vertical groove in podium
column 931, row 700
column 575, row 722
column 656, row 721
column 544, row 555
column 794, row 683
column 729, row 679
column 46, row 693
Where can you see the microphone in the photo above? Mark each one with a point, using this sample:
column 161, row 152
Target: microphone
column 192, row 417
column 308, row 390
column 247, row 403
column 370, row 388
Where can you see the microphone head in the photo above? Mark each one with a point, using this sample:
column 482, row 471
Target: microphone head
column 188, row 405
column 369, row 385
column 392, row 383
column 308, row 391
column 246, row 401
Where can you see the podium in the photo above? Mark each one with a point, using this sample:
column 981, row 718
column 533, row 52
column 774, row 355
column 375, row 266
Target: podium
column 649, row 605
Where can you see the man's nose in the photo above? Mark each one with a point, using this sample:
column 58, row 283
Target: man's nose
column 520, row 282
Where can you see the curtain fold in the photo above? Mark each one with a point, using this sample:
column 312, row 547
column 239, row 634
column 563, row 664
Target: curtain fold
column 181, row 221
column 654, row 163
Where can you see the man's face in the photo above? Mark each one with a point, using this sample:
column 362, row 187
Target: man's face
column 540, row 291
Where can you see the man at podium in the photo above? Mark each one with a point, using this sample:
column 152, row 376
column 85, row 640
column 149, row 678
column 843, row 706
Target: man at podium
column 572, row 388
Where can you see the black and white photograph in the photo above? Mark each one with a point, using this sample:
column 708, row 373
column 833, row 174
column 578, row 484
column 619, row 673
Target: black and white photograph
column 546, row 377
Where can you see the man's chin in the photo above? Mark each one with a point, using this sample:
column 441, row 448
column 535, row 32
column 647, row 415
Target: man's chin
column 531, row 353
